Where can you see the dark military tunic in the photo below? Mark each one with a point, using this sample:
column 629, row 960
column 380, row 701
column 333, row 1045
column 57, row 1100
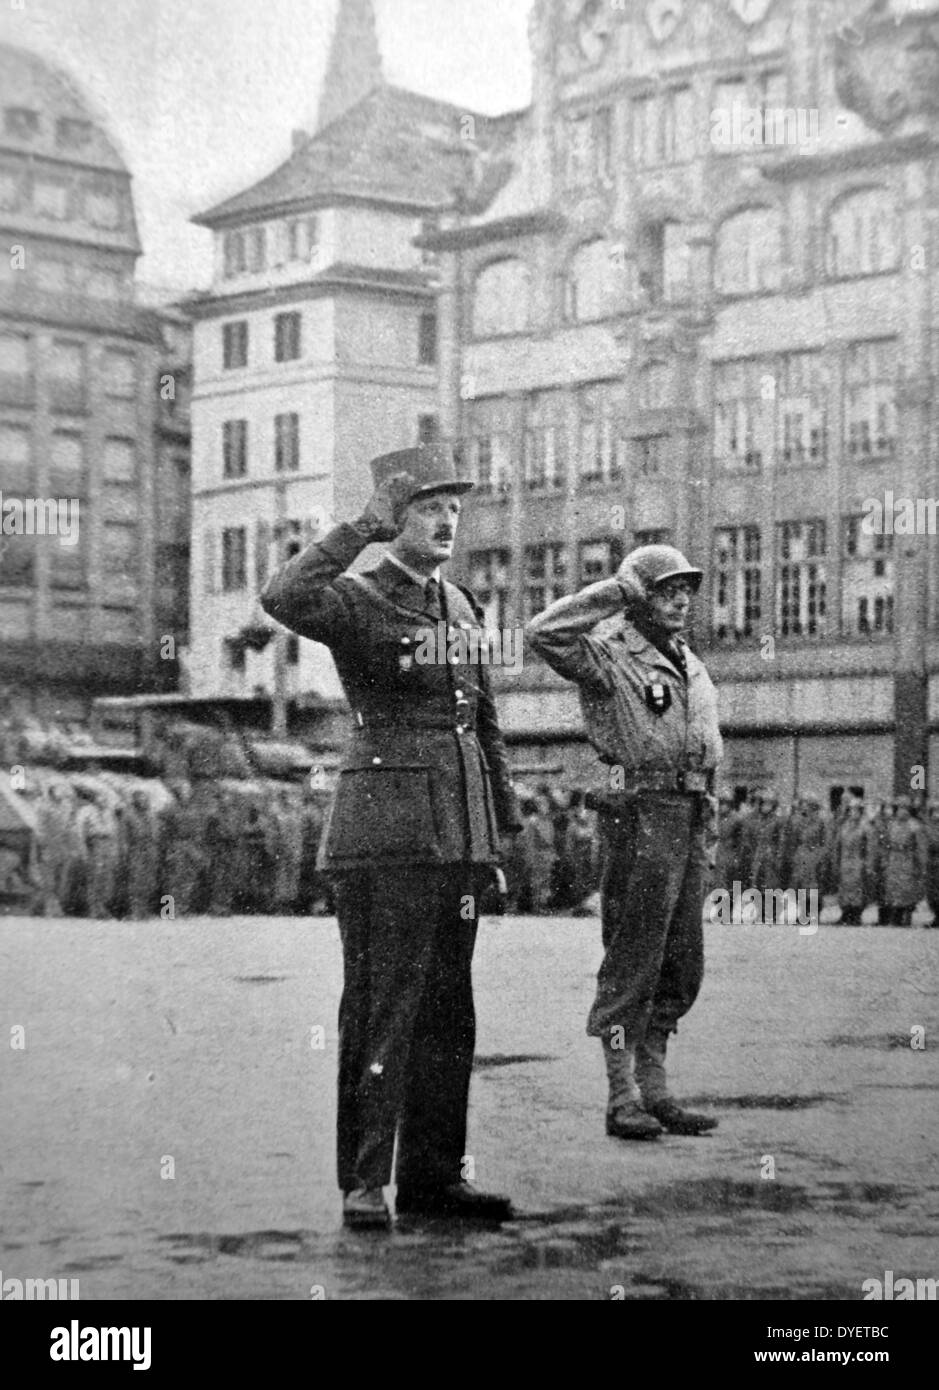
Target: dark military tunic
column 412, row 836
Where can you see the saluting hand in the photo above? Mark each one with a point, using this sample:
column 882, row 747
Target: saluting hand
column 383, row 516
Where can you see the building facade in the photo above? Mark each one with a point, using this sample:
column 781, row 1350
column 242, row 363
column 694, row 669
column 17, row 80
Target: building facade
column 81, row 606
column 314, row 351
column 697, row 302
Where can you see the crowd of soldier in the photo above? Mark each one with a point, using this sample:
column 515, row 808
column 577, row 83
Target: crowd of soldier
column 107, row 851
column 552, row 864
column 883, row 854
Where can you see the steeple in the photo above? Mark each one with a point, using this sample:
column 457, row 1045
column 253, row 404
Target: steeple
column 354, row 67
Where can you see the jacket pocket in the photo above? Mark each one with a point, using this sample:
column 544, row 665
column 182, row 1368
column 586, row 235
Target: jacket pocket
column 384, row 812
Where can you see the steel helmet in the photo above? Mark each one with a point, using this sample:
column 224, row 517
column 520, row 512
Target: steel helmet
column 653, row 564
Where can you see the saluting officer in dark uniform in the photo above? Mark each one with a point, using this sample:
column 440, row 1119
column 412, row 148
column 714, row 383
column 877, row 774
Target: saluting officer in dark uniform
column 413, row 834
column 650, row 711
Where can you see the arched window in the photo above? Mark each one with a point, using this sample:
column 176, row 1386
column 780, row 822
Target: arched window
column 501, row 299
column 748, row 253
column 590, row 288
column 862, row 234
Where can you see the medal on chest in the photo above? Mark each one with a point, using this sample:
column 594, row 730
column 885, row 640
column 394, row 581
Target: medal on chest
column 406, row 655
column 658, row 697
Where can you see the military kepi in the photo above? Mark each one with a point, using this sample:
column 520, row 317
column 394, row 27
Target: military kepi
column 432, row 468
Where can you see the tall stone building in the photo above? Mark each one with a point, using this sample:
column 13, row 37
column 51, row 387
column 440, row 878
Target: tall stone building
column 314, row 350
column 81, row 614
column 698, row 301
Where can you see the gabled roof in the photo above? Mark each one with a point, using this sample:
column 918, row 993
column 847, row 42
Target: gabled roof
column 394, row 146
column 34, row 84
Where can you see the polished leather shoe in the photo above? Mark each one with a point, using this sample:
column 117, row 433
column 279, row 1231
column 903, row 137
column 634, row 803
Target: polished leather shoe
column 632, row 1122
column 460, row 1200
column 677, row 1121
column 365, row 1210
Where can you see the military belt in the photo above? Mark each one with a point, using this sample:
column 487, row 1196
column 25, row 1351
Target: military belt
column 687, row 783
column 452, row 724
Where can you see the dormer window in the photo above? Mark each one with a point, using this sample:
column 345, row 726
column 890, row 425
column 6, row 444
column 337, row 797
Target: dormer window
column 235, row 254
column 21, row 122
column 103, row 209
column 245, row 251
column 72, row 133
column 50, row 199
column 302, row 238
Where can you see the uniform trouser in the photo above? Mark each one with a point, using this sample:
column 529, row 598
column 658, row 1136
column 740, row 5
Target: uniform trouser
column 407, row 1027
column 102, row 870
column 653, row 870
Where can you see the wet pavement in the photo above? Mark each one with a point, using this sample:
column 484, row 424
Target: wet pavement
column 168, row 1125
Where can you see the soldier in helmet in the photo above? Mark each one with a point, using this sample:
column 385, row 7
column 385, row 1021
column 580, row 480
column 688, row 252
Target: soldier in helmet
column 650, row 712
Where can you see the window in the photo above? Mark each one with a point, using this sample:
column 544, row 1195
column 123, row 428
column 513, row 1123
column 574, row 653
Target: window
column 588, row 149
column 801, row 596
column 676, row 263
column 599, row 559
column 663, row 128
column 287, row 443
column 50, row 199
column 651, row 453
column 67, row 567
column 429, row 227
column 867, row 581
column 771, row 92
column 491, row 463
column 52, row 275
column 16, row 470
column 427, row 340
column 490, row 581
column 235, row 253
column 428, row 429
column 104, row 284
column 737, row 581
column 10, row 191
column 119, row 375
column 302, row 238
column 802, row 431
column 72, row 133
column 234, row 559
column 657, row 535
column 743, row 414
column 543, row 459
column 286, row 337
column 21, row 122
column 545, row 577
column 501, row 299
column 590, row 285
column 235, row 345
column 16, row 552
column 598, row 445
column 121, row 550
column 863, row 234
column 255, row 248
column 103, row 209
column 14, row 354
column 66, row 368
column 655, row 385
column 748, row 252
column 664, row 261
column 678, row 126
column 870, row 400
column 235, row 448
column 731, row 105
column 67, row 465
column 120, row 461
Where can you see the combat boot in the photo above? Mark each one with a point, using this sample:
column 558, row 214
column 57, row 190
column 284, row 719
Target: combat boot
column 625, row 1117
